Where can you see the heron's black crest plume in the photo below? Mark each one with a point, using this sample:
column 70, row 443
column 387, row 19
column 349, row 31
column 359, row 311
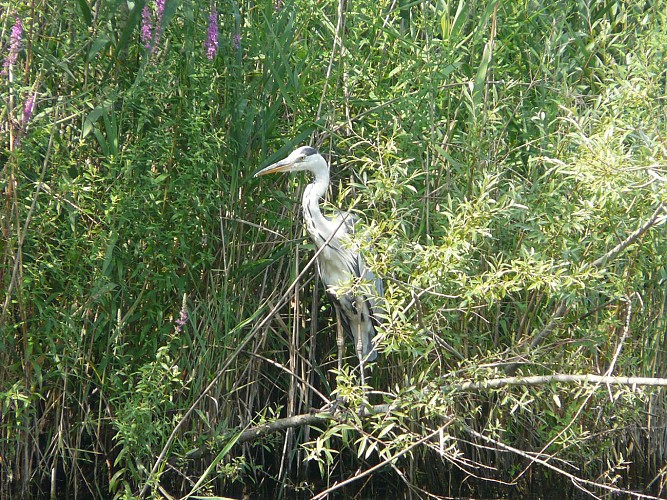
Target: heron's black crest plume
column 308, row 151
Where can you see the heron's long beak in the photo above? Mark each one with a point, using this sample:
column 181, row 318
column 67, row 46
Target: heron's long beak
column 281, row 166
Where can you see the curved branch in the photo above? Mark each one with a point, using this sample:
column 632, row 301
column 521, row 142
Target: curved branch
column 558, row 378
column 614, row 252
column 282, row 424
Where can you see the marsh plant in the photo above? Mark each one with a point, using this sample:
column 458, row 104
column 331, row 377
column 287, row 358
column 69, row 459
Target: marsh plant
column 163, row 329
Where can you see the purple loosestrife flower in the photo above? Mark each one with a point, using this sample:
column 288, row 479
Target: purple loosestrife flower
column 146, row 28
column 278, row 5
column 159, row 7
column 20, row 126
column 28, row 109
column 181, row 321
column 211, row 44
column 14, row 45
column 183, row 318
column 237, row 41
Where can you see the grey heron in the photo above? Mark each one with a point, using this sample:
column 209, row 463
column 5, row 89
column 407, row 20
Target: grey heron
column 340, row 264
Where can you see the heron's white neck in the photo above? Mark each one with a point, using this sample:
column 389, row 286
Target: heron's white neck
column 311, row 206
column 316, row 189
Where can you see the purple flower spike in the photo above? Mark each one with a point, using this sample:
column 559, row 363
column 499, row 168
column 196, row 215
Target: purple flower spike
column 159, row 7
column 183, row 318
column 159, row 4
column 146, row 29
column 28, row 109
column 211, row 44
column 14, row 45
column 237, row 41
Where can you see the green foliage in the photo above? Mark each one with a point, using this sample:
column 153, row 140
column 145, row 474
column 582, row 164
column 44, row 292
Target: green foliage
column 496, row 151
column 145, row 414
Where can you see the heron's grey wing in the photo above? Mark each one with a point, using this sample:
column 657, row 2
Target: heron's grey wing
column 377, row 294
column 350, row 257
column 350, row 221
column 343, row 243
column 374, row 299
column 342, row 222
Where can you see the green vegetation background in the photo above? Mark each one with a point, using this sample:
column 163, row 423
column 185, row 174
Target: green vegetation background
column 497, row 152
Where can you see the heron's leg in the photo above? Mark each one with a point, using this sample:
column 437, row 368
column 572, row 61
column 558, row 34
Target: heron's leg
column 360, row 354
column 340, row 343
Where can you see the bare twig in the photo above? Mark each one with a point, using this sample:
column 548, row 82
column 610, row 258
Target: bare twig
column 577, row 481
column 626, row 330
column 614, row 252
column 293, row 374
column 338, row 41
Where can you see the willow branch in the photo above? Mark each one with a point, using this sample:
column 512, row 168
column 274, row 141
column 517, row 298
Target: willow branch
column 283, row 424
column 557, row 378
column 562, row 308
column 614, row 252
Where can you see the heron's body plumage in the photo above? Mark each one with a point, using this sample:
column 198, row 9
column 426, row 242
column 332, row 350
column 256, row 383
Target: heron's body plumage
column 351, row 286
column 341, row 267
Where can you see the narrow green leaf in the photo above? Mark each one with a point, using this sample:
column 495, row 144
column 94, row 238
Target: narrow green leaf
column 108, row 254
column 480, row 79
column 85, row 11
column 223, row 453
column 98, row 45
column 458, row 21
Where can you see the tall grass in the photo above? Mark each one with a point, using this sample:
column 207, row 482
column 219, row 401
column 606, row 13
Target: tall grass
column 157, row 299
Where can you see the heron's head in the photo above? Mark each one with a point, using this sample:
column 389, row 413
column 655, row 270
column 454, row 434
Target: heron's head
column 303, row 158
